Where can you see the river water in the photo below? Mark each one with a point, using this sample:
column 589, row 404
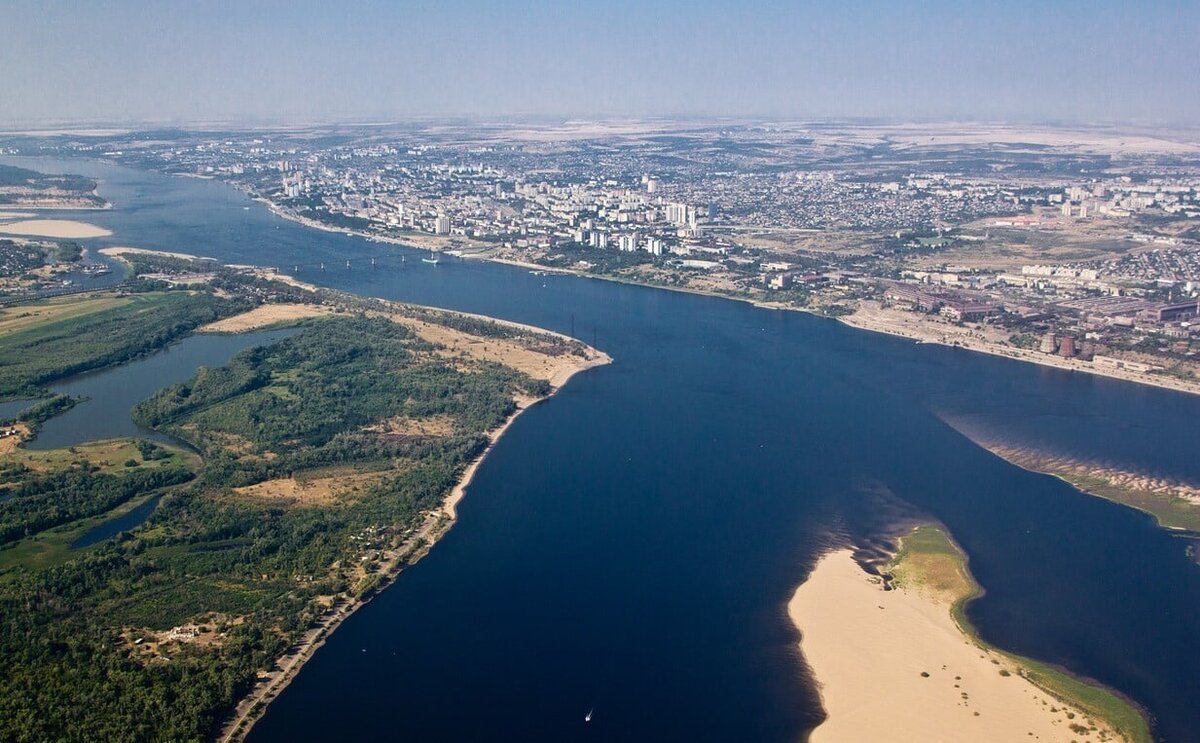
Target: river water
column 630, row 545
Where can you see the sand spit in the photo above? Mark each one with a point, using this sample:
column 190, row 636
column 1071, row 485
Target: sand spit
column 894, row 665
column 59, row 228
column 117, row 251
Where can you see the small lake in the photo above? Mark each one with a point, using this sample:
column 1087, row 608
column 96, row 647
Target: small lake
column 111, row 393
column 135, row 517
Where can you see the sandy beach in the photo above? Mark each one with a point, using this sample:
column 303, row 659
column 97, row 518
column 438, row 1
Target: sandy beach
column 895, row 666
column 59, row 228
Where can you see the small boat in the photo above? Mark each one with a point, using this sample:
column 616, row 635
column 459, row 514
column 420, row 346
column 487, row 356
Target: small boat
column 431, row 259
column 588, row 716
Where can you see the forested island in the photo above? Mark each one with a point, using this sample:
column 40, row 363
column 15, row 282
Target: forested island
column 30, row 189
column 304, row 475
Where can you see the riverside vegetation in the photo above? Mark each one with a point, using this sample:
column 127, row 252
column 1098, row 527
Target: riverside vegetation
column 304, row 473
column 929, row 559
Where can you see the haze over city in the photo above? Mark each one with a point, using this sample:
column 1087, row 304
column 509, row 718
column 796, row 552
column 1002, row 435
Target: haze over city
column 129, row 61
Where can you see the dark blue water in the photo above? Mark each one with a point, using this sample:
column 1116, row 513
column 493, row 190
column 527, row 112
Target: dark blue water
column 12, row 408
column 630, row 545
column 114, row 526
column 109, row 394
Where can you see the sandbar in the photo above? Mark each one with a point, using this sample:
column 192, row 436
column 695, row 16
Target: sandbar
column 894, row 665
column 61, row 228
column 116, row 251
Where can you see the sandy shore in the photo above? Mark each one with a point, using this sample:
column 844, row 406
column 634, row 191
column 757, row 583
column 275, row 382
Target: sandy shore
column 892, row 665
column 60, row 228
column 895, row 665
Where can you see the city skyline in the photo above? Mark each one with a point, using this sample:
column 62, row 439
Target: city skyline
column 125, row 62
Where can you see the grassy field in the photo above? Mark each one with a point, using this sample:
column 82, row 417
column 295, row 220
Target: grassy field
column 59, row 309
column 51, row 547
column 930, row 559
column 108, row 457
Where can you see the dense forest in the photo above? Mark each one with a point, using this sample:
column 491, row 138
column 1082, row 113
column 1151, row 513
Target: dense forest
column 155, row 634
column 14, row 177
column 17, row 184
column 33, row 356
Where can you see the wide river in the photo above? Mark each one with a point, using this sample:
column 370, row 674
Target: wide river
column 630, row 546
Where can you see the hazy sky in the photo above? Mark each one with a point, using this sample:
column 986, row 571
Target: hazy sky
column 202, row 60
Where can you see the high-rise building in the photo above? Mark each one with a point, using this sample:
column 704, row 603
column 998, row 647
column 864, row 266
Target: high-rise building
column 441, row 225
column 677, row 214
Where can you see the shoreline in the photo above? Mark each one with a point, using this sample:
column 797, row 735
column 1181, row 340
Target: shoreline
column 255, row 703
column 1174, row 506
column 854, row 321
column 1021, row 354
column 893, row 656
column 436, row 522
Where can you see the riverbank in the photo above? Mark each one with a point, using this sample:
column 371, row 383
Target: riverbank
column 872, row 318
column 1174, row 504
column 429, row 404
column 904, row 664
column 435, row 524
